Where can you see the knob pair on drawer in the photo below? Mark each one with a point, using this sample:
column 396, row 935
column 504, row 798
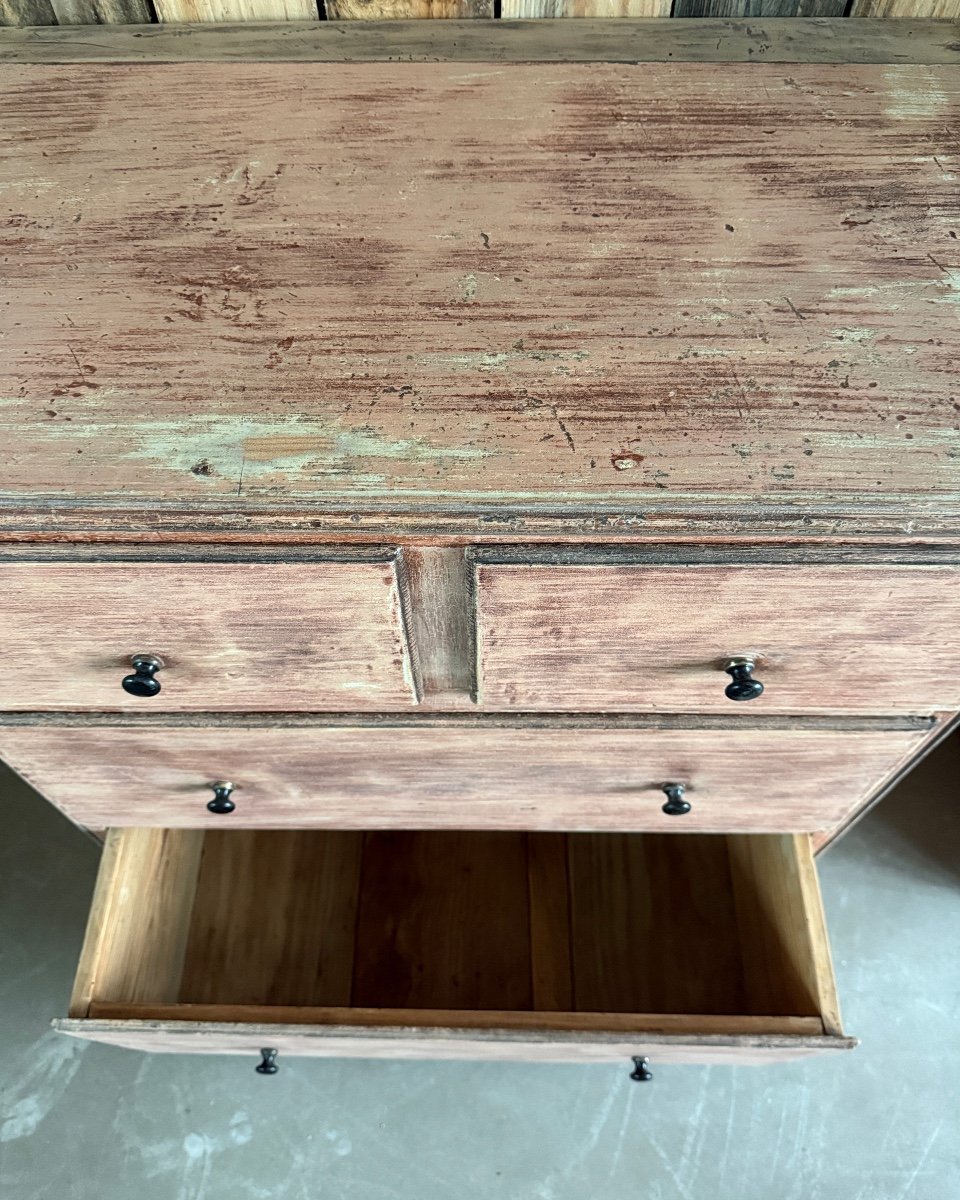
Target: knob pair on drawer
column 143, row 681
column 675, row 806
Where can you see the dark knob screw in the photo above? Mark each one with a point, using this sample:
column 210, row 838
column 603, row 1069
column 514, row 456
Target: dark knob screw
column 268, row 1063
column 641, row 1069
column 142, row 681
column 221, row 802
column 742, row 685
column 675, row 806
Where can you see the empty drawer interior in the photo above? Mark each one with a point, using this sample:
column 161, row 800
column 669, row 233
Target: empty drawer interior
column 292, row 923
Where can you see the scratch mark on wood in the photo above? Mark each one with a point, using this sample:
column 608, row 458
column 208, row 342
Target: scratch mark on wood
column 793, row 308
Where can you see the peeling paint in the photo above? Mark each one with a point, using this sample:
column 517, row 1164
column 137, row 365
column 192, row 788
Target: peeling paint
column 237, row 175
column 264, row 446
column 498, row 360
column 27, row 185
column 469, row 76
column 853, row 335
column 605, row 249
column 950, row 285
column 467, row 287
column 923, row 98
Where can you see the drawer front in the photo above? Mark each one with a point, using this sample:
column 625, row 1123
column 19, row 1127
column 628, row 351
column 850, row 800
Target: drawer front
column 825, row 638
column 467, row 776
column 231, row 635
column 501, row 1038
column 449, row 945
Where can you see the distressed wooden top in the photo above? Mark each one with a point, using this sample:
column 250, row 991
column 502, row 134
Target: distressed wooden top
column 471, row 294
column 643, row 39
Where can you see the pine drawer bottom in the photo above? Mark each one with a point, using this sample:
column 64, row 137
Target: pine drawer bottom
column 581, row 946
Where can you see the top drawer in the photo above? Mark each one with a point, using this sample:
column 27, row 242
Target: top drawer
column 234, row 631
column 602, row 633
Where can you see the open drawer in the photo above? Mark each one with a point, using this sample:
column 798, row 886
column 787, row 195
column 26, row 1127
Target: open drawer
column 686, row 947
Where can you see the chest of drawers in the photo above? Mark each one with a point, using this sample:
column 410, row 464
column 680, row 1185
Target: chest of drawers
column 476, row 533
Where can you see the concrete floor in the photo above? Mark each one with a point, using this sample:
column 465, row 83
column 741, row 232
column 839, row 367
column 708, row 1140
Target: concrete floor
column 85, row 1122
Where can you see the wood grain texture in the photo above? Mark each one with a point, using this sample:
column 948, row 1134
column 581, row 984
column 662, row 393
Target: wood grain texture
column 235, row 10
column 651, row 39
column 866, row 638
column 242, row 635
column 273, row 919
column 27, row 12
column 931, row 9
column 102, row 12
column 138, row 930
column 441, row 623
column 551, row 966
column 443, row 922
column 440, row 936
column 761, row 8
column 653, row 927
column 457, row 778
column 528, row 9
column 181, row 1036
column 601, row 1024
column 782, row 930
column 405, row 10
column 604, row 306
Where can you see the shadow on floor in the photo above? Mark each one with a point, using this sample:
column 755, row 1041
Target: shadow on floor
column 920, row 819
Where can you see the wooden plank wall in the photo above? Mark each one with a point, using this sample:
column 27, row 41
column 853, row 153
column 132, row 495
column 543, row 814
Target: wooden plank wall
column 85, row 12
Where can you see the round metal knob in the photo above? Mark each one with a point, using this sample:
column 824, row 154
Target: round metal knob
column 142, row 681
column 675, row 806
column 641, row 1069
column 268, row 1063
column 742, row 685
column 221, row 802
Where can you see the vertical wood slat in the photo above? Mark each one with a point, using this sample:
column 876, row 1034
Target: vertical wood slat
column 759, row 8
column 407, row 10
column 653, row 925
column 936, row 10
column 550, row 958
column 523, row 10
column 102, row 12
column 443, row 923
column 273, row 918
column 27, row 12
column 184, row 11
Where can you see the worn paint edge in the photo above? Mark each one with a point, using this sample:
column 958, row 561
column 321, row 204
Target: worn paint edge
column 518, row 722
column 626, row 40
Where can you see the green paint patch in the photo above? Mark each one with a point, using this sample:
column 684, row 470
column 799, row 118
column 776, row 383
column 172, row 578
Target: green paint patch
column 252, row 451
column 854, row 335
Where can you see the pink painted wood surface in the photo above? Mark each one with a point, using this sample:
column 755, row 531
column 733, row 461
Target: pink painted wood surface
column 233, row 636
column 455, row 778
column 827, row 639
column 436, row 284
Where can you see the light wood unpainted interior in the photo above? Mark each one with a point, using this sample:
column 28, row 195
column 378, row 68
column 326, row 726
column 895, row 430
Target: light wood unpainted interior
column 428, row 928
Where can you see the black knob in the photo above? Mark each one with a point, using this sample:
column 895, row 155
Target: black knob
column 675, row 806
column 221, row 802
column 641, row 1069
column 142, row 682
column 742, row 686
column 268, row 1063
